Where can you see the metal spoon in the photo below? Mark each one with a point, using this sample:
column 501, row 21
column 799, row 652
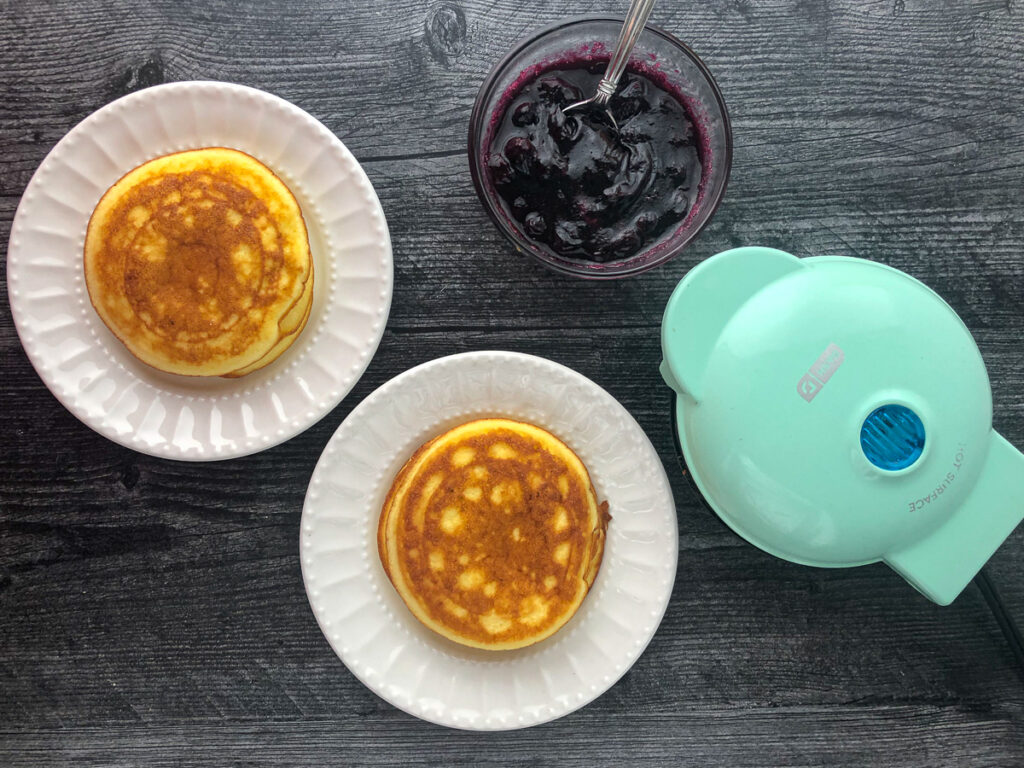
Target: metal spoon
column 636, row 18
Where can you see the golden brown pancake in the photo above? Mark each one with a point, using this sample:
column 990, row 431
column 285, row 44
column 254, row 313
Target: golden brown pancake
column 492, row 534
column 199, row 263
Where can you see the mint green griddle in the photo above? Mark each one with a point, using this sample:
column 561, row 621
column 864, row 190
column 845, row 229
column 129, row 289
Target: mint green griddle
column 837, row 412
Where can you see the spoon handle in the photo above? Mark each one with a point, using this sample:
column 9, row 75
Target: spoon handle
column 636, row 18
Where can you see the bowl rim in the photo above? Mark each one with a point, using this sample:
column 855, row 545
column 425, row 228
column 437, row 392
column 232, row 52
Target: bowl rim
column 478, row 116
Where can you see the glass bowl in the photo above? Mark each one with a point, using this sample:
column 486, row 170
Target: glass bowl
column 592, row 38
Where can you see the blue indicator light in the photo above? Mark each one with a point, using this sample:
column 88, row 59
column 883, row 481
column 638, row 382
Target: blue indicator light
column 892, row 437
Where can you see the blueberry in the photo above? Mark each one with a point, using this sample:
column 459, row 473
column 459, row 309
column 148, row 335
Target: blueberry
column 566, row 236
column 518, row 146
column 519, row 205
column 521, row 154
column 555, row 90
column 626, row 244
column 679, row 201
column 535, row 224
column 501, row 171
column 630, row 101
column 645, row 222
column 564, row 129
column 525, row 114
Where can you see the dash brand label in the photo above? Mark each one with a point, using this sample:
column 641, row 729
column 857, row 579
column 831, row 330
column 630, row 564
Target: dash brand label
column 820, row 372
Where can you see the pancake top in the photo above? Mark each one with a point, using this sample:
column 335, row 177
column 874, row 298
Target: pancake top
column 193, row 259
column 492, row 534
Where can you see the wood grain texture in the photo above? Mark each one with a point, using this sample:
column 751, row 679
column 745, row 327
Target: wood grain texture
column 153, row 612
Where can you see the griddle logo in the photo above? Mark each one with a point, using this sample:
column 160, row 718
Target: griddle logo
column 820, row 372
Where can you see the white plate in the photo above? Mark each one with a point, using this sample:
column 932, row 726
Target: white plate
column 179, row 417
column 369, row 626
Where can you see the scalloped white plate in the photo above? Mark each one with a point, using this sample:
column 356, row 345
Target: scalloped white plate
column 368, row 625
column 178, row 417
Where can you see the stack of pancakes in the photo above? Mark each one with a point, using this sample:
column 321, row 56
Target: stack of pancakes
column 492, row 534
column 199, row 263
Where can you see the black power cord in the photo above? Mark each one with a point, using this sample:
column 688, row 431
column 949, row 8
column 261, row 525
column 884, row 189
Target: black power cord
column 1002, row 616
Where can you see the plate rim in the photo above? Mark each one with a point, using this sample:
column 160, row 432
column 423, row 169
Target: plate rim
column 130, row 439
column 447, row 720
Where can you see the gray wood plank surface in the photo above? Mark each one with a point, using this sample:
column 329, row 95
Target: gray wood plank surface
column 152, row 612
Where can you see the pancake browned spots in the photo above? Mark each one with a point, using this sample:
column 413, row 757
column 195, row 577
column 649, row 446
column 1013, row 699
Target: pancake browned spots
column 199, row 248
column 492, row 534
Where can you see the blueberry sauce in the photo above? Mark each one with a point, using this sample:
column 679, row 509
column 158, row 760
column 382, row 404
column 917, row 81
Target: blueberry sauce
column 577, row 187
